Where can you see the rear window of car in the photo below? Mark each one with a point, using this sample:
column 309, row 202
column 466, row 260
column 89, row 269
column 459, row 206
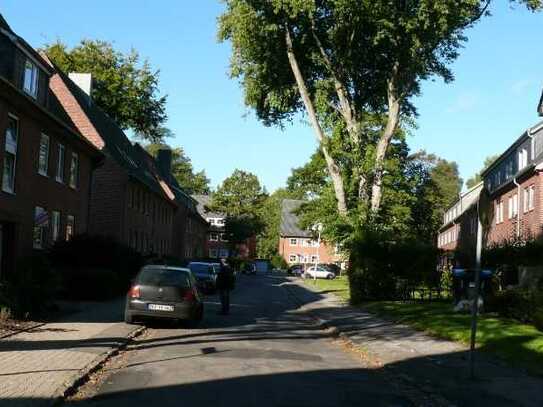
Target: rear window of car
column 164, row 278
column 201, row 268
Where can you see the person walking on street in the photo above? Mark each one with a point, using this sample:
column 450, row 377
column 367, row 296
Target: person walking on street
column 225, row 283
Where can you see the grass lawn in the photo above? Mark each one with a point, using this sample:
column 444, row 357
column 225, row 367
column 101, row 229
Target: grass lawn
column 519, row 344
column 338, row 286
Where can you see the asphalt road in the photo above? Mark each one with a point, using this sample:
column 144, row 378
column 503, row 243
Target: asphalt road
column 265, row 353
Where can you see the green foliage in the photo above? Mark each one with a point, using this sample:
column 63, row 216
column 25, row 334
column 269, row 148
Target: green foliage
column 94, row 267
column 309, row 180
column 183, row 171
column 31, row 289
column 240, row 228
column 514, row 253
column 270, row 214
column 239, row 194
column 380, row 261
column 471, row 182
column 520, row 304
column 125, row 88
column 278, row 262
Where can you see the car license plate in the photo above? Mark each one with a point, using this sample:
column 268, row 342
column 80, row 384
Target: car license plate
column 160, row 307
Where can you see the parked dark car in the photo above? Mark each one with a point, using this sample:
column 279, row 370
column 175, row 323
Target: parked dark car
column 205, row 274
column 296, row 270
column 160, row 291
column 249, row 268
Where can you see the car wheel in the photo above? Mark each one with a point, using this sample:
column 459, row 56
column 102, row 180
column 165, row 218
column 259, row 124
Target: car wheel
column 330, row 277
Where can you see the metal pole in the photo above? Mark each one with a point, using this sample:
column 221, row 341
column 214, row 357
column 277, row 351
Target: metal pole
column 475, row 305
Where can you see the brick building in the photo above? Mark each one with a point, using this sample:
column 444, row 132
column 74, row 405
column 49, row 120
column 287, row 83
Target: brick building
column 514, row 186
column 298, row 246
column 217, row 245
column 46, row 163
column 134, row 197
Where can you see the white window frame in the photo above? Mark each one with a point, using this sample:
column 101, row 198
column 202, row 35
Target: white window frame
column 70, row 227
column 525, row 200
column 293, row 241
column 292, row 258
column 11, row 149
column 213, row 237
column 30, row 84
column 510, row 208
column 74, row 171
column 522, row 158
column 61, row 160
column 223, row 238
column 55, row 226
column 43, row 162
column 531, row 197
column 515, row 205
column 39, row 235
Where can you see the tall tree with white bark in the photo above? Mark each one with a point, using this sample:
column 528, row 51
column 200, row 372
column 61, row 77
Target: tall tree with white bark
column 352, row 66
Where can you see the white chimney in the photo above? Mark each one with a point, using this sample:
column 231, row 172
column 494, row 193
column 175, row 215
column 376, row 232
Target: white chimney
column 84, row 81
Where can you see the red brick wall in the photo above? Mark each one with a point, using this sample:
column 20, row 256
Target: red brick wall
column 31, row 188
column 325, row 252
column 530, row 221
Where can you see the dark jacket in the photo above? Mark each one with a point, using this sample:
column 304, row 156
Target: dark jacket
column 225, row 278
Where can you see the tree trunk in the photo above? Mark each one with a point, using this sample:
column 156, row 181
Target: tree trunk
column 333, row 168
column 384, row 141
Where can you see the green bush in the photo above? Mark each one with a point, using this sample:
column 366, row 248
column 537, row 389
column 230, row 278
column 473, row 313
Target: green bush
column 538, row 318
column 279, row 262
column 94, row 267
column 380, row 265
column 31, row 289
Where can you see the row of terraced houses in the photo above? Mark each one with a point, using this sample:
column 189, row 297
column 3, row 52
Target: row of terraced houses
column 67, row 168
column 513, row 184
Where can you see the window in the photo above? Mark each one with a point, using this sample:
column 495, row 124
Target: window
column 499, row 212
column 213, row 253
column 70, row 227
column 60, row 164
column 211, row 221
column 55, row 225
column 293, row 242
column 292, row 258
column 522, row 158
column 531, row 195
column 223, row 237
column 30, row 84
column 43, row 155
column 313, row 259
column 510, row 207
column 219, row 222
column 41, row 224
column 74, row 171
column 224, row 253
column 214, row 237
column 515, row 205
column 10, row 155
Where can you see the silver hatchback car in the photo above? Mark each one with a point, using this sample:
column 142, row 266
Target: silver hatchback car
column 164, row 292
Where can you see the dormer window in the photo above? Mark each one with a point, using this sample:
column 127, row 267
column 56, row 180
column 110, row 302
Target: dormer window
column 522, row 158
column 30, row 84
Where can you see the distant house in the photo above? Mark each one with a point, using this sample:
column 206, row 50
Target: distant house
column 134, row 198
column 46, row 163
column 218, row 245
column 299, row 246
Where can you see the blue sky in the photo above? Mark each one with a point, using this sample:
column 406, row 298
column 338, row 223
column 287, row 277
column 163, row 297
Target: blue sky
column 499, row 78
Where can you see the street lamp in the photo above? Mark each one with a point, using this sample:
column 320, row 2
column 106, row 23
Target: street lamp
column 317, row 228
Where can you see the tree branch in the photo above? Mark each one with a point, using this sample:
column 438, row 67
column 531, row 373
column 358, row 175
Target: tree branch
column 333, row 168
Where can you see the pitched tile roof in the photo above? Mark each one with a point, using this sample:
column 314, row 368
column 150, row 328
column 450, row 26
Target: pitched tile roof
column 289, row 219
column 203, row 207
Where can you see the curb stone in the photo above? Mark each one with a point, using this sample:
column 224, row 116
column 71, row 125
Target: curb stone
column 79, row 378
column 30, row 328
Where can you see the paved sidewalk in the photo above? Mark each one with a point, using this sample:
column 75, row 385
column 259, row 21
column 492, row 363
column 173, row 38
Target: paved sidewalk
column 434, row 365
column 42, row 363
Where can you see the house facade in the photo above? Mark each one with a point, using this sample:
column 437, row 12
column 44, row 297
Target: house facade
column 514, row 205
column 298, row 246
column 217, row 244
column 46, row 163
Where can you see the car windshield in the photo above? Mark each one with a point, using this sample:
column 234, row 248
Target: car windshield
column 201, row 268
column 164, row 278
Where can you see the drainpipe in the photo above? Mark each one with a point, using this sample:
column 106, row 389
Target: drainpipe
column 518, row 206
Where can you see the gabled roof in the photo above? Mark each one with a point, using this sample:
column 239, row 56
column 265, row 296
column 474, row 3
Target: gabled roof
column 106, row 134
column 204, row 201
column 289, row 219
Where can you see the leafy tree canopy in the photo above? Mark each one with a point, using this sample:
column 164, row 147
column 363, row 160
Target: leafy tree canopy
column 345, row 63
column 183, row 171
column 309, row 180
column 125, row 88
column 240, row 194
column 475, row 179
